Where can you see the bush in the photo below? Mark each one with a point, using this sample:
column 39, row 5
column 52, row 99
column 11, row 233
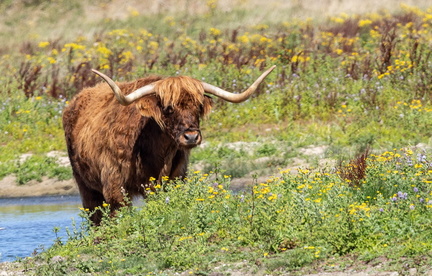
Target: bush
column 303, row 217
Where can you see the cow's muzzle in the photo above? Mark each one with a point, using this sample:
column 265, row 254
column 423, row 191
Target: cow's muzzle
column 190, row 138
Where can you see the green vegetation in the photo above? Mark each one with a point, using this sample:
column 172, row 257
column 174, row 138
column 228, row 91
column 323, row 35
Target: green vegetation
column 346, row 84
column 281, row 225
column 355, row 81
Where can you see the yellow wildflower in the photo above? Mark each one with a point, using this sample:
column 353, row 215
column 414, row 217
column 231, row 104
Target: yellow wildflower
column 43, row 44
column 215, row 32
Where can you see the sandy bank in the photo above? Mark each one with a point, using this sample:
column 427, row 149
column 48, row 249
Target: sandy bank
column 47, row 187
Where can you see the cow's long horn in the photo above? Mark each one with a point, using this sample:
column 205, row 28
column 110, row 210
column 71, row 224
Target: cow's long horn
column 235, row 98
column 126, row 99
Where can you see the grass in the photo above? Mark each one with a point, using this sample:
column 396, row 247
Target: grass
column 344, row 83
column 286, row 223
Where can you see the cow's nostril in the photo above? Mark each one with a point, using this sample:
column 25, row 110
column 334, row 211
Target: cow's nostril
column 191, row 136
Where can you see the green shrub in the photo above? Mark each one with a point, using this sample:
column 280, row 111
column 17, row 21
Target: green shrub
column 291, row 218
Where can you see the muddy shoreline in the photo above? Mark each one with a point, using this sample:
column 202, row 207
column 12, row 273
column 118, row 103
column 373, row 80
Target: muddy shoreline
column 9, row 188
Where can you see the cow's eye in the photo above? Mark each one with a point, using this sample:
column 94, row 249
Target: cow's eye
column 168, row 110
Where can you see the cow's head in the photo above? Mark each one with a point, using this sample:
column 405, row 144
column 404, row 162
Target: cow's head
column 178, row 103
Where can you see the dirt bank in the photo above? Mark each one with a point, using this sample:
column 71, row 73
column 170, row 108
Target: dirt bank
column 47, row 187
column 51, row 187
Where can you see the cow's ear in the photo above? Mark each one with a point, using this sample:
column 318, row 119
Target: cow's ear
column 149, row 107
column 207, row 105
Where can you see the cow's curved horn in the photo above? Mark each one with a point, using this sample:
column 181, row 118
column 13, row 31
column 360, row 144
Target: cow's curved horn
column 126, row 99
column 235, row 98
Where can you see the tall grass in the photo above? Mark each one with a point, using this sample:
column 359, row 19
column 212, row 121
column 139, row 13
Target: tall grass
column 277, row 226
column 352, row 81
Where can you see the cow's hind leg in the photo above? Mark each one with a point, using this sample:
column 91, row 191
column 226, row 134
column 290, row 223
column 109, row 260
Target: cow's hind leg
column 91, row 199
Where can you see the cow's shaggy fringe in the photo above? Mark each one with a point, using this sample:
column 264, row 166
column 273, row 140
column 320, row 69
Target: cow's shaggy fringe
column 174, row 91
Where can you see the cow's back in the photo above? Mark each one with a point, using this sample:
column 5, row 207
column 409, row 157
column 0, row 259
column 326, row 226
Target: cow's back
column 82, row 120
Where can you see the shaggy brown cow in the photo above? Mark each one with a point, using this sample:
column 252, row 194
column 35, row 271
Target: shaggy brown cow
column 146, row 128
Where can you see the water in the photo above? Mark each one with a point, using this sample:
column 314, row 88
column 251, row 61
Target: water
column 26, row 224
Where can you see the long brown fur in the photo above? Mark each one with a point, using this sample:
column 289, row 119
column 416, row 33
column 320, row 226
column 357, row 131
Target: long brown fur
column 115, row 150
column 176, row 91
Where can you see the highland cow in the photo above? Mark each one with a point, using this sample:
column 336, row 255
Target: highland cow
column 120, row 135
